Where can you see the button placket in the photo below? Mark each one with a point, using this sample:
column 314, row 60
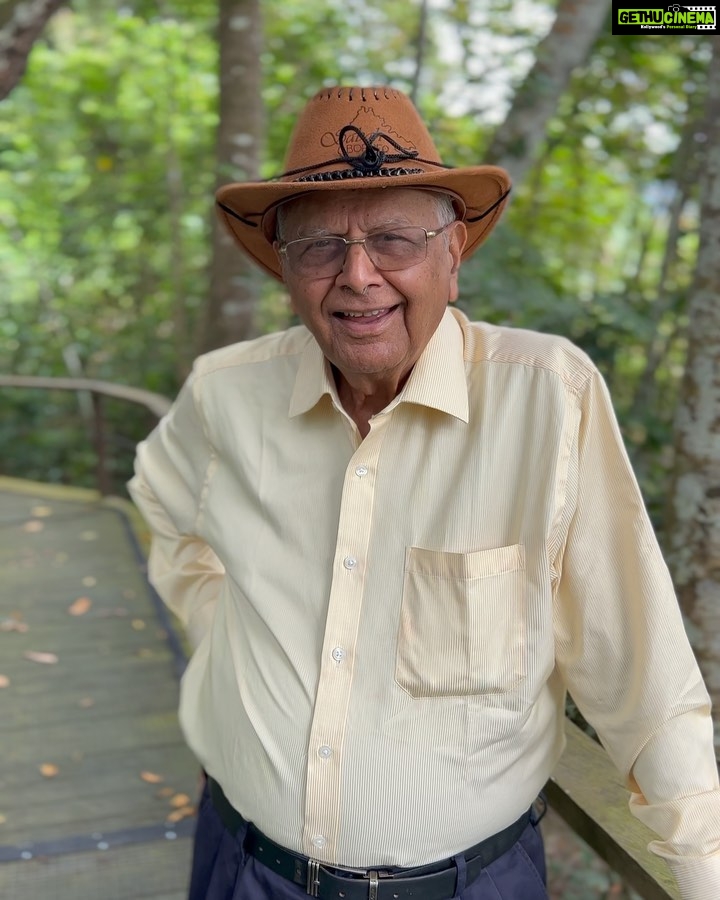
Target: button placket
column 324, row 766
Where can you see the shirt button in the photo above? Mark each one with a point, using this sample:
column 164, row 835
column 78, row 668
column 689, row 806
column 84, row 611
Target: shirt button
column 338, row 654
column 319, row 840
column 325, row 752
column 349, row 562
column 361, row 471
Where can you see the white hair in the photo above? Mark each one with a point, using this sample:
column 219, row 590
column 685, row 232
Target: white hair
column 445, row 209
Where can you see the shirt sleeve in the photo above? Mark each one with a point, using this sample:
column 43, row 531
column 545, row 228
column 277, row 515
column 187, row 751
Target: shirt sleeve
column 172, row 469
column 625, row 656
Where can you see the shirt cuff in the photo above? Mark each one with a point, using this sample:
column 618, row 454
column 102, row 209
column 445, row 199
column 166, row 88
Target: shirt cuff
column 699, row 878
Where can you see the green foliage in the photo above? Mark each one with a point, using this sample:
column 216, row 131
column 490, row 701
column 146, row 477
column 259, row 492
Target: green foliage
column 93, row 144
column 111, row 128
column 107, row 172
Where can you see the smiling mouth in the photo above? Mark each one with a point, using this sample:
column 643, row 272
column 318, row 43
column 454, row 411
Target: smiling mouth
column 372, row 314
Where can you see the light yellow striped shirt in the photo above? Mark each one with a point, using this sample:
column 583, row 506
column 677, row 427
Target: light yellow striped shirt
column 385, row 628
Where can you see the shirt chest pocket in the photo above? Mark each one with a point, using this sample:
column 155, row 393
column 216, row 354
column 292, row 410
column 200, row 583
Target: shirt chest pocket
column 462, row 623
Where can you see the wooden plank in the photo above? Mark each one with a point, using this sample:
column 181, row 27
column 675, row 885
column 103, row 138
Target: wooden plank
column 38, row 705
column 587, row 791
column 66, row 678
column 157, row 871
column 172, row 760
column 111, row 619
column 41, row 744
column 117, row 805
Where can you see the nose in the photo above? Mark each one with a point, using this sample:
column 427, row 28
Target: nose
column 359, row 271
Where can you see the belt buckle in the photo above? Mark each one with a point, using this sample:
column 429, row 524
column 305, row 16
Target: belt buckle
column 373, row 876
column 313, row 878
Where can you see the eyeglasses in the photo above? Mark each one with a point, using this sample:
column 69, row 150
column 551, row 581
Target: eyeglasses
column 324, row 256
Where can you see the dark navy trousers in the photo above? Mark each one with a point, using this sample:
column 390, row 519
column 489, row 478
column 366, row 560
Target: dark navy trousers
column 222, row 870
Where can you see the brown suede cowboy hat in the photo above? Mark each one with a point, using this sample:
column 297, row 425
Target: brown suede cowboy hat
column 364, row 138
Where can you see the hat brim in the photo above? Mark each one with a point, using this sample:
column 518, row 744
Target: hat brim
column 248, row 209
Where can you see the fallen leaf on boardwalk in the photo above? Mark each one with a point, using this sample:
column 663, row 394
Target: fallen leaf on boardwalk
column 88, row 536
column 178, row 815
column 3, row 819
column 14, row 625
column 86, row 702
column 47, row 659
column 151, row 777
column 138, row 624
column 4, row 681
column 89, row 581
column 48, row 770
column 180, row 800
column 41, row 512
column 33, row 526
column 165, row 792
column 80, row 606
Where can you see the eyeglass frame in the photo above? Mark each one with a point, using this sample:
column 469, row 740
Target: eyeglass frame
column 429, row 234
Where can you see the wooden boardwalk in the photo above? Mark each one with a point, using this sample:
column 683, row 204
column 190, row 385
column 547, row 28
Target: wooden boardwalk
column 96, row 784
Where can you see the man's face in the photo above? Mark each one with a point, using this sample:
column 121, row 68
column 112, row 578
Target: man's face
column 407, row 305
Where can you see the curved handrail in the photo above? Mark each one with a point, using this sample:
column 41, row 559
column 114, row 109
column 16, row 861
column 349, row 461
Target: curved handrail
column 156, row 403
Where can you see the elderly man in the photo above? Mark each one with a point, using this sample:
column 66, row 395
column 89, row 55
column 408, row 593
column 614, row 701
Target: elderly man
column 396, row 539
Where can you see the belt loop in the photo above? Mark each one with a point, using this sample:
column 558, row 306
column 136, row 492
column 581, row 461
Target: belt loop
column 538, row 809
column 461, row 877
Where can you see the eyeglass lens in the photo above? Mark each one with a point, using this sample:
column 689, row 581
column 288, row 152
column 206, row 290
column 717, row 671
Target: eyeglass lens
column 389, row 250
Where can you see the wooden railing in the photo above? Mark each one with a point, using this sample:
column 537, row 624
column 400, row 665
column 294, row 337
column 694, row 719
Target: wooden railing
column 157, row 404
column 586, row 790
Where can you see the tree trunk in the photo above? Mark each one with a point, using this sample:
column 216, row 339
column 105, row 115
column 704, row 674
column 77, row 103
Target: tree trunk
column 234, row 280
column 174, row 181
column 419, row 50
column 21, row 22
column 694, row 526
column 684, row 175
column 517, row 141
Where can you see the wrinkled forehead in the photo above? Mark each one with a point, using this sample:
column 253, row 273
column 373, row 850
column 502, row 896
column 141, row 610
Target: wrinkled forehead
column 367, row 209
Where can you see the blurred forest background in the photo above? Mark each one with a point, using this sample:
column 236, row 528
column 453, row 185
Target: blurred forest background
column 129, row 115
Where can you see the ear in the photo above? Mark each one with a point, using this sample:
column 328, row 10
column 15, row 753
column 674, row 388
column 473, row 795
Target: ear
column 456, row 245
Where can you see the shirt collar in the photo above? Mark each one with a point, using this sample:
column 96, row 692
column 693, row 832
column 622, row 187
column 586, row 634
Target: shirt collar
column 313, row 380
column 437, row 380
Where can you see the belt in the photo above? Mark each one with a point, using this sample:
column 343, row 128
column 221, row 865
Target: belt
column 432, row 882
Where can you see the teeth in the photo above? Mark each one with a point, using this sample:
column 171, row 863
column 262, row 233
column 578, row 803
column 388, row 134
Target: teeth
column 364, row 315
